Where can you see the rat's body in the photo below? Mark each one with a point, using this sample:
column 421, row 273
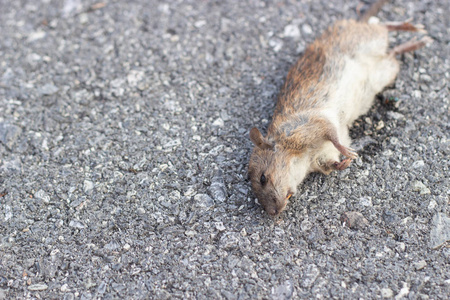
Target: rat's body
column 331, row 85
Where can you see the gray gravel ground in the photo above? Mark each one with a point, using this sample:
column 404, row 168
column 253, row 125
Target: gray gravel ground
column 124, row 148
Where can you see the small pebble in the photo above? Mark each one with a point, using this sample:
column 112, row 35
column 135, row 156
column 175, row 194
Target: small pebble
column 243, row 232
column 200, row 23
column 88, row 186
column 9, row 134
column 48, row 89
column 354, row 220
column 403, row 292
column 380, row 125
column 83, row 18
column 402, row 246
column 420, row 265
column 175, row 195
column 220, row 226
column 38, row 287
column 420, row 187
column 190, row 191
column 395, row 115
column 276, row 44
column 43, row 196
column 365, row 201
column 218, row 122
column 307, row 29
column 440, row 230
column 387, row 293
column 76, row 224
column 291, row 31
column 432, row 205
column 203, row 201
column 418, row 164
column 8, row 212
column 37, row 35
column 190, row 232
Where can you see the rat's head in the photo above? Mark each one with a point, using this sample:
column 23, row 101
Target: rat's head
column 274, row 173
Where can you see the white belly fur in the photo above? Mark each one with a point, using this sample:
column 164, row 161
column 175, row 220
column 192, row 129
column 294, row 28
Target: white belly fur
column 352, row 96
column 362, row 78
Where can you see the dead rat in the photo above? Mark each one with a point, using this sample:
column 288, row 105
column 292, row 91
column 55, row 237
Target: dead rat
column 331, row 85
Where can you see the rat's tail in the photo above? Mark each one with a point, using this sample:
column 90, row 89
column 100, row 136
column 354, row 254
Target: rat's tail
column 372, row 11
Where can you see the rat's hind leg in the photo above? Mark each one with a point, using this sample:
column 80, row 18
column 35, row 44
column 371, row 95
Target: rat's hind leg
column 403, row 26
column 411, row 45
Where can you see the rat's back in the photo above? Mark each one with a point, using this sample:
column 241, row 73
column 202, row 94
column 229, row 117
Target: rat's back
column 340, row 73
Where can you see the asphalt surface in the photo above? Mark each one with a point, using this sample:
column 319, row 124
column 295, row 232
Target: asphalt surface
column 124, row 148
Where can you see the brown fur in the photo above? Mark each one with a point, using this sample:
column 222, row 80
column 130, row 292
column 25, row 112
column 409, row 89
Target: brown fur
column 308, row 81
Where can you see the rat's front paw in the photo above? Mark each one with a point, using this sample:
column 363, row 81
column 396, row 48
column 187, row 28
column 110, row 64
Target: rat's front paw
column 341, row 165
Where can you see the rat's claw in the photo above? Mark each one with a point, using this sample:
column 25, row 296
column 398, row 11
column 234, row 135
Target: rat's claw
column 353, row 154
column 350, row 153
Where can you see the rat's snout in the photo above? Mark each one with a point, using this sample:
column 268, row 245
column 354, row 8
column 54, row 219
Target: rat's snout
column 271, row 206
column 276, row 207
column 273, row 211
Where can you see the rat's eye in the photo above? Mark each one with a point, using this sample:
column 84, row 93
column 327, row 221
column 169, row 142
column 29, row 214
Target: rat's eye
column 263, row 179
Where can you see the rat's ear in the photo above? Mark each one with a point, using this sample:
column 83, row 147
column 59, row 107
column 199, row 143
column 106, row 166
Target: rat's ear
column 258, row 140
